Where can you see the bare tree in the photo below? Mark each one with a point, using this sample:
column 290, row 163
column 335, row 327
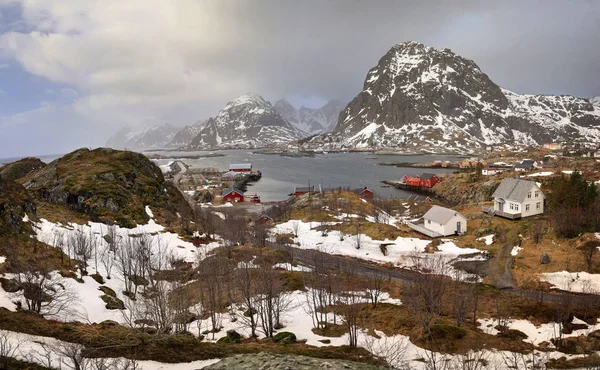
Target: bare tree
column 358, row 236
column 374, row 287
column 272, row 300
column 8, row 349
column 247, row 287
column 391, row 349
column 82, row 247
column 588, row 251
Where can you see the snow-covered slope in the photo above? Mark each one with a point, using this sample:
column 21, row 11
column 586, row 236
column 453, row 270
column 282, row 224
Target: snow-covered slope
column 309, row 120
column 185, row 136
column 146, row 138
column 425, row 97
column 246, row 122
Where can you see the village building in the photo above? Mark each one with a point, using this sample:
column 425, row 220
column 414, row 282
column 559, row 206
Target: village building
column 240, row 167
column 412, row 180
column 517, row 198
column 441, row 221
column 490, row 171
column 428, row 180
column 233, row 195
column 526, row 165
column 301, row 190
column 366, row 193
column 552, row 146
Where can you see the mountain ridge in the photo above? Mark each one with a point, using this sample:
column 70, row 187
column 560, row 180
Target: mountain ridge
column 425, row 97
column 310, row 120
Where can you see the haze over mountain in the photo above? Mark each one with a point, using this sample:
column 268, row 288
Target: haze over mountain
column 422, row 96
column 309, row 120
column 68, row 79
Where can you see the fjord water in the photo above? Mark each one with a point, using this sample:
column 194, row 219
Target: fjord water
column 282, row 174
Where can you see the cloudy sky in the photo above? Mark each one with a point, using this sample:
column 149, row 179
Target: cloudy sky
column 74, row 72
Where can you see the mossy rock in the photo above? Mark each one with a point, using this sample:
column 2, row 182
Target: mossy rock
column 325, row 341
column 448, row 332
column 10, row 285
column 99, row 279
column 108, row 291
column 112, row 303
column 285, row 337
column 130, row 295
column 513, row 334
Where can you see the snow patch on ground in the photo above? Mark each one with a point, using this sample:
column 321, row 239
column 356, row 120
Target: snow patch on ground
column 515, row 251
column 289, row 267
column 540, row 174
column 581, row 282
column 488, row 239
column 149, row 212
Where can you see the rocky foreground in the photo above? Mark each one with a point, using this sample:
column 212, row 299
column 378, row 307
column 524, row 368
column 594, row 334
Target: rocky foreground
column 282, row 362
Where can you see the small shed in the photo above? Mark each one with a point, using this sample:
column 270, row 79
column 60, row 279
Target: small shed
column 412, row 180
column 445, row 221
column 366, row 193
column 301, row 190
column 240, row 167
column 233, row 195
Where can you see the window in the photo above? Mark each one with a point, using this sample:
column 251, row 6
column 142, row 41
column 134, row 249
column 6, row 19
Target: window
column 538, row 205
column 527, row 207
column 537, row 193
column 429, row 222
column 516, row 207
column 529, row 195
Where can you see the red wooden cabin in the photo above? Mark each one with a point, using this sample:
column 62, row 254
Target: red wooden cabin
column 233, row 195
column 428, row 180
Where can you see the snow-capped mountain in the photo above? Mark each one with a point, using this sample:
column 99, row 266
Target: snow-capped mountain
column 185, row 136
column 147, row 138
column 247, row 121
column 309, row 120
column 425, row 97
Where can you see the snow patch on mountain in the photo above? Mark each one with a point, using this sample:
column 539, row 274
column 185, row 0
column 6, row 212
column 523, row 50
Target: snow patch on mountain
column 426, row 97
column 156, row 137
column 309, row 120
column 249, row 121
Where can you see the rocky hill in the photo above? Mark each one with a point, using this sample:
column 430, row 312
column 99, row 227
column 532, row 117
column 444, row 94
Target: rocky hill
column 22, row 167
column 108, row 185
column 419, row 96
column 246, row 122
column 157, row 137
column 308, row 120
column 282, row 362
column 15, row 202
column 185, row 136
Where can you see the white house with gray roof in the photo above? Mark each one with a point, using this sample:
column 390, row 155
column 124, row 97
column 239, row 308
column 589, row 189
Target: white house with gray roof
column 517, row 198
column 440, row 221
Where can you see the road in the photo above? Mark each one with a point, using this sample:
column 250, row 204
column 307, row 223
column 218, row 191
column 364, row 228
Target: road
column 365, row 268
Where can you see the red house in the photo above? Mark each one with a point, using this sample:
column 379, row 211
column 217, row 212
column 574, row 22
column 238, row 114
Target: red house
column 412, row 180
column 242, row 167
column 366, row 193
column 301, row 190
column 428, row 180
column 264, row 218
column 233, row 195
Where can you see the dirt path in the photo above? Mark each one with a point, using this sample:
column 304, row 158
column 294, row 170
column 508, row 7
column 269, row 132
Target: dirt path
column 500, row 273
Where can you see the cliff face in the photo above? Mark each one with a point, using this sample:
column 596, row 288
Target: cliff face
column 460, row 189
column 15, row 202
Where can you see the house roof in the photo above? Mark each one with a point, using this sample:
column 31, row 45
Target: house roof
column 232, row 190
column 527, row 163
column 304, row 189
column 514, row 189
column 427, row 176
column 440, row 215
column 240, row 166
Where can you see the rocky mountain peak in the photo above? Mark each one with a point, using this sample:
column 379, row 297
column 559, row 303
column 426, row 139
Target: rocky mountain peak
column 247, row 121
column 310, row 120
column 422, row 96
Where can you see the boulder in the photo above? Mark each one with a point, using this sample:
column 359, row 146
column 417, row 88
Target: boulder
column 545, row 258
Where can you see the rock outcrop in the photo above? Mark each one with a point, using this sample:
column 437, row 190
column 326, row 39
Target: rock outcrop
column 273, row 361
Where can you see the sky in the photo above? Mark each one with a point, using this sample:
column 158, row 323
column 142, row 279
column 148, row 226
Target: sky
column 73, row 72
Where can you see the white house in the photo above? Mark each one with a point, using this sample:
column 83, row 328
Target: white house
column 444, row 221
column 490, row 171
column 516, row 198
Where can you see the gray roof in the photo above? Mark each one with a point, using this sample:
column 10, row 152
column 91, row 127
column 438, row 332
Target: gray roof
column 427, row 176
column 231, row 190
column 440, row 215
column 527, row 163
column 514, row 189
column 304, row 189
column 240, row 166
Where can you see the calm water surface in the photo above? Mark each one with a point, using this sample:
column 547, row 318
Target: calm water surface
column 282, row 174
